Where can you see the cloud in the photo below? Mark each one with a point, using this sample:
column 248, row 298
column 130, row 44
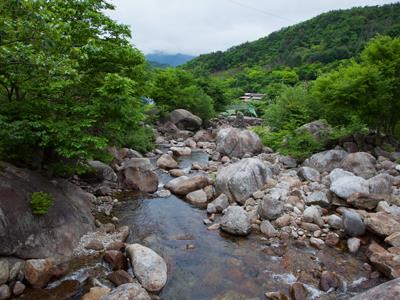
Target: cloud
column 202, row 26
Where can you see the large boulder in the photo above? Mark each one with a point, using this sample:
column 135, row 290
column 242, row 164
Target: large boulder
column 326, row 161
column 271, row 206
column 54, row 234
column 381, row 224
column 380, row 184
column 236, row 142
column 203, row 136
column 138, row 175
column 185, row 120
column 360, row 163
column 38, row 272
column 184, row 185
column 218, row 205
column 236, row 221
column 128, row 291
column 389, row 291
column 167, row 162
column 353, row 224
column 318, row 129
column 149, row 268
column 345, row 186
column 240, row 180
column 309, row 174
column 101, row 172
column 197, row 198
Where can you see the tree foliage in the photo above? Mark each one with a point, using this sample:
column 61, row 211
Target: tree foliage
column 369, row 90
column 69, row 79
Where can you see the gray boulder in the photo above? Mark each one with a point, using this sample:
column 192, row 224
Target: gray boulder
column 326, row 161
column 309, row 174
column 240, row 180
column 218, row 205
column 360, row 163
column 101, row 172
column 389, row 291
column 149, row 268
column 236, row 221
column 236, row 142
column 317, row 128
column 318, row 198
column 345, row 186
column 353, row 224
column 338, row 173
column 185, row 120
column 54, row 234
column 271, row 206
column 381, row 184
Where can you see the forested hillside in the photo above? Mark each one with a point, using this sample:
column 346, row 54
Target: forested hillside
column 326, row 38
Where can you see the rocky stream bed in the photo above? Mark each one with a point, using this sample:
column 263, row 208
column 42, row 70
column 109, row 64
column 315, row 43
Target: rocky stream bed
column 209, row 215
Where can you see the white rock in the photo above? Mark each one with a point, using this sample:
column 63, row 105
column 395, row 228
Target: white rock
column 148, row 266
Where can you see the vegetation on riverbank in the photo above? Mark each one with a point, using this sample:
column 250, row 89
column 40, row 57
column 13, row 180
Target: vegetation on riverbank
column 73, row 85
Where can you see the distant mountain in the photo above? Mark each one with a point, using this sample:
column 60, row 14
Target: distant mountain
column 329, row 37
column 161, row 59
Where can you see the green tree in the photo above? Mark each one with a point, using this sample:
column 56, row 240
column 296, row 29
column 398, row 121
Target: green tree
column 69, row 79
column 369, row 90
column 176, row 88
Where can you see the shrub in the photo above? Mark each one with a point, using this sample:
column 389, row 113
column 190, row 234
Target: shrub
column 41, row 203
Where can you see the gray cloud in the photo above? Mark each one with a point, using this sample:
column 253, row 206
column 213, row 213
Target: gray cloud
column 202, row 26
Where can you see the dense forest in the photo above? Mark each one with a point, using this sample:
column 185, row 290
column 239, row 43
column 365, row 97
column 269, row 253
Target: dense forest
column 72, row 84
column 329, row 37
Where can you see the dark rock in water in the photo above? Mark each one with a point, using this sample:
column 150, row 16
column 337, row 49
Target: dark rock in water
column 184, row 119
column 389, row 291
column 116, row 259
column 329, row 280
column 276, row 296
column 120, row 277
column 54, row 234
column 298, row 291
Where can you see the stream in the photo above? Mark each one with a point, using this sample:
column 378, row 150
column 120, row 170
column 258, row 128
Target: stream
column 204, row 264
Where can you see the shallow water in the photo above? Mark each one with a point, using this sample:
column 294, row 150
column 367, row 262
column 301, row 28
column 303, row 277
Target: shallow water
column 205, row 264
column 221, row 266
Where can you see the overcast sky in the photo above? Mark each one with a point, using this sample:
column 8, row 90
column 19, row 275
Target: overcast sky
column 203, row 26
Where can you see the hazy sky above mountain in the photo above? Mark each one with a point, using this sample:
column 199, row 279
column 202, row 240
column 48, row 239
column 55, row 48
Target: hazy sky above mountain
column 202, row 26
